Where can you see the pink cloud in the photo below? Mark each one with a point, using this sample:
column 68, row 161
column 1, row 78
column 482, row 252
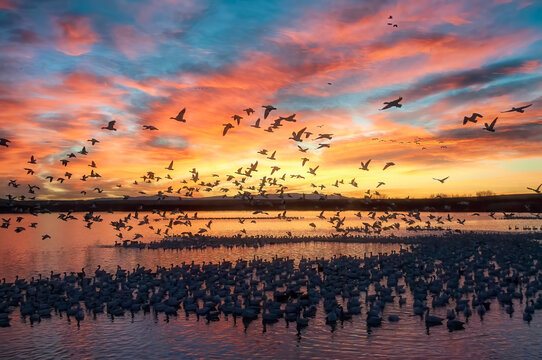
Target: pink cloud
column 131, row 42
column 75, row 35
column 7, row 5
column 456, row 20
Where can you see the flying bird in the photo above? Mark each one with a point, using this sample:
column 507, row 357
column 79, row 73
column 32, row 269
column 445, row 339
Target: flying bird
column 520, row 109
column 268, row 109
column 32, row 160
column 170, row 167
column 290, row 118
column 46, row 236
column 441, row 180
column 303, row 150
column 472, row 118
column 237, row 118
column 490, row 127
column 149, row 127
column 256, row 124
column 313, row 170
column 93, row 141
column 366, row 165
column 226, row 128
column 4, row 142
column 296, row 136
column 180, row 116
column 394, row 103
column 388, row 164
column 304, row 160
column 249, row 111
column 324, row 136
column 110, row 126
column 272, row 157
column 537, row 190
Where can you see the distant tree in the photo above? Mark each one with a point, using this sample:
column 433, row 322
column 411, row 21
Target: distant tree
column 485, row 193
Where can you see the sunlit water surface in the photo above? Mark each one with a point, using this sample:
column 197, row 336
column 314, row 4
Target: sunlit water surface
column 72, row 246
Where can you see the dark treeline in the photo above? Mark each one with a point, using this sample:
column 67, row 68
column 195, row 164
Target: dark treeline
column 498, row 203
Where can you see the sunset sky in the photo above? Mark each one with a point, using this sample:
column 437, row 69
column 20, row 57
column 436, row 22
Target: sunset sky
column 67, row 68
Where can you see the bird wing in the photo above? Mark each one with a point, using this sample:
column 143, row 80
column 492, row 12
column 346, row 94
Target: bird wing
column 493, row 123
column 525, row 107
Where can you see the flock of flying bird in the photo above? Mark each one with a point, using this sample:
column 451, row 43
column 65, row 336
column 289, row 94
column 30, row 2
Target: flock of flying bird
column 239, row 179
column 244, row 190
column 491, row 127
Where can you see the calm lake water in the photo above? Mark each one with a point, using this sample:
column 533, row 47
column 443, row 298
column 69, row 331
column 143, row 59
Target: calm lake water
column 72, row 246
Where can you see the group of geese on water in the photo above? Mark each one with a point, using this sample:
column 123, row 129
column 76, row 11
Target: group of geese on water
column 458, row 277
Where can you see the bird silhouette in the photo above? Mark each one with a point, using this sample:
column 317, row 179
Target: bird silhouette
column 268, row 109
column 388, row 164
column 366, row 165
column 4, row 142
column 180, row 116
column 520, row 109
column 149, row 127
column 393, row 103
column 249, row 111
column 256, row 124
column 226, row 128
column 313, row 170
column 441, row 180
column 32, row 160
column 93, row 141
column 290, row 118
column 296, row 136
column 110, row 126
column 537, row 190
column 472, row 118
column 237, row 118
column 272, row 157
column 491, row 127
column 170, row 167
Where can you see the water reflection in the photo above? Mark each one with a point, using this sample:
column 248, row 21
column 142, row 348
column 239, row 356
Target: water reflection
column 146, row 336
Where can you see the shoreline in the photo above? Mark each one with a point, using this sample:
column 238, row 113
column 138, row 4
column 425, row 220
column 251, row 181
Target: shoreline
column 530, row 203
column 203, row 242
